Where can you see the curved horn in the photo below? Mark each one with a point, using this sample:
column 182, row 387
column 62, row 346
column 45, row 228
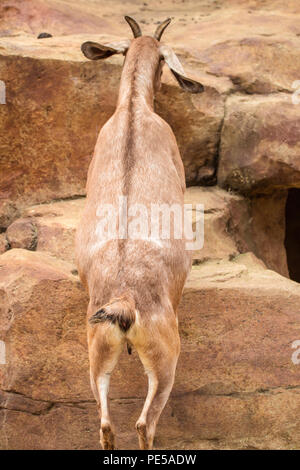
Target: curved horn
column 134, row 26
column 160, row 28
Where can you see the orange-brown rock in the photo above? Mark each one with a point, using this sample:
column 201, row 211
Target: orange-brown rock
column 55, row 227
column 43, row 311
column 267, row 230
column 56, row 118
column 22, row 233
column 221, row 210
column 8, row 212
column 3, row 243
column 37, row 15
column 234, row 225
column 260, row 144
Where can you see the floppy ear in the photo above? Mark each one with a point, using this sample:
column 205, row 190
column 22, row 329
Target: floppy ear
column 95, row 51
column 176, row 68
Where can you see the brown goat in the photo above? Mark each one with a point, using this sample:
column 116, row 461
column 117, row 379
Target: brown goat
column 134, row 285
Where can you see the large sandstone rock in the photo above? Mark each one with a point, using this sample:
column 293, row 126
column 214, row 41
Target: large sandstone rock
column 35, row 15
column 255, row 64
column 222, row 211
column 267, row 230
column 236, row 385
column 51, row 227
column 234, row 225
column 57, row 108
column 42, row 321
column 22, row 233
column 44, row 385
column 260, row 149
column 3, row 243
column 238, row 323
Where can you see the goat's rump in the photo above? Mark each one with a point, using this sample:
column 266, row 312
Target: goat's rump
column 149, row 272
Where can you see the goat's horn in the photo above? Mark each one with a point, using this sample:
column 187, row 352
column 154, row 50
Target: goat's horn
column 160, row 28
column 134, row 26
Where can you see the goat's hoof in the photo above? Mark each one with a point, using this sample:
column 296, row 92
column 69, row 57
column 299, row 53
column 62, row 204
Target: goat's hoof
column 107, row 438
column 142, row 434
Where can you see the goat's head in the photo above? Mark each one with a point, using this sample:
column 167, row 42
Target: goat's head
column 160, row 53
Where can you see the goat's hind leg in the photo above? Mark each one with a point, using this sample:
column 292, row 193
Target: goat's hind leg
column 159, row 360
column 160, row 384
column 105, row 346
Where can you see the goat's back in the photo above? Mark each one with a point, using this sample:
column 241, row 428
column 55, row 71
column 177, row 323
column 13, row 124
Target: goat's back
column 135, row 160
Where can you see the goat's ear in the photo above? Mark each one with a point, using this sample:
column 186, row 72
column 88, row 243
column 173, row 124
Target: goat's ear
column 176, row 68
column 95, row 51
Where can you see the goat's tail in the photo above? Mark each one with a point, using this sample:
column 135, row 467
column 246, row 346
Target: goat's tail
column 119, row 310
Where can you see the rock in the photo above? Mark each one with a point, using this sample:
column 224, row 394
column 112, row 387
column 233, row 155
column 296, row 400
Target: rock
column 220, row 210
column 187, row 113
column 236, row 384
column 267, row 230
column 44, row 35
column 259, row 145
column 254, row 64
column 234, row 225
column 48, row 426
column 42, row 323
column 45, row 159
column 8, row 212
column 32, row 16
column 238, row 324
column 229, row 288
column 56, row 225
column 22, row 233
column 3, row 243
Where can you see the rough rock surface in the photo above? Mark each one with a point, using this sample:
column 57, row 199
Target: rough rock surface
column 260, row 150
column 234, row 225
column 3, row 243
column 50, row 106
column 52, row 227
column 22, row 233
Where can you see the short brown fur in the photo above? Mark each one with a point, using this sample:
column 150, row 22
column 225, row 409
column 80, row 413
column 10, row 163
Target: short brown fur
column 136, row 155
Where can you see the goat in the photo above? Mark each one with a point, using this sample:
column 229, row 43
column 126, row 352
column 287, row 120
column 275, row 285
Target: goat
column 134, row 285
